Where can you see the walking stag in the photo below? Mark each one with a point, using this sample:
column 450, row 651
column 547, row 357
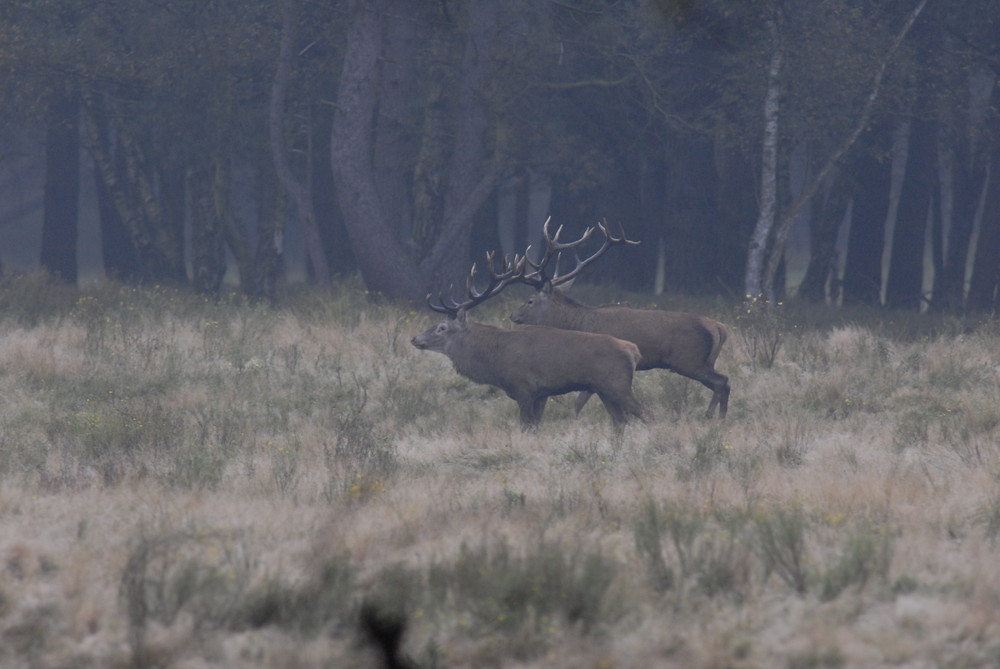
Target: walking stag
column 534, row 363
column 684, row 343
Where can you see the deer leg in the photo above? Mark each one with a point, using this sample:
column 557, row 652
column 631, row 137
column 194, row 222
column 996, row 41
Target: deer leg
column 724, row 400
column 581, row 399
column 528, row 422
column 634, row 407
column 532, row 409
column 719, row 385
column 619, row 416
column 539, row 407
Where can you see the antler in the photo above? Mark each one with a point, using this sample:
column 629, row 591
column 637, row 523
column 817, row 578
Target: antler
column 538, row 278
column 513, row 270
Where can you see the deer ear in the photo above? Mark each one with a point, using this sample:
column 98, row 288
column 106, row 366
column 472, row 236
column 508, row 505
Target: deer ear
column 460, row 316
column 564, row 287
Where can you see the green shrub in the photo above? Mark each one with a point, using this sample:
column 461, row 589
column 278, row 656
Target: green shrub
column 867, row 553
column 325, row 598
column 699, row 549
column 760, row 330
column 709, row 451
column 781, row 544
column 35, row 298
column 180, row 570
column 504, row 590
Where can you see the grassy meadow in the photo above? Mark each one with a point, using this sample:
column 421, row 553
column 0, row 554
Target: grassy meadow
column 196, row 483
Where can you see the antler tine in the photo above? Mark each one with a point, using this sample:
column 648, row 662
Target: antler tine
column 499, row 280
column 553, row 246
column 609, row 240
column 616, row 240
column 512, row 269
column 446, row 305
column 441, row 307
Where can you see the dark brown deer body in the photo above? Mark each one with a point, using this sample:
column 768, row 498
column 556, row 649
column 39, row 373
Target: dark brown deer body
column 683, row 343
column 532, row 364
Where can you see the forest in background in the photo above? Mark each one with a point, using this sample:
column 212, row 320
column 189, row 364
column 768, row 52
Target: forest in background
column 394, row 134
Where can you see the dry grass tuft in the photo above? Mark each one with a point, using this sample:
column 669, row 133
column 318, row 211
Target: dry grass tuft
column 192, row 483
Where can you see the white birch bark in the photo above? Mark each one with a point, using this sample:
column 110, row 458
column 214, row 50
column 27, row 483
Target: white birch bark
column 766, row 274
column 768, row 172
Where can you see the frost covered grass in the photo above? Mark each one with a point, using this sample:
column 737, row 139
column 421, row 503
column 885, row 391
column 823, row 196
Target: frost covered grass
column 199, row 483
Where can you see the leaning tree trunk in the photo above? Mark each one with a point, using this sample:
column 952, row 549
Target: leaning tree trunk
column 469, row 184
column 128, row 175
column 824, row 228
column 782, row 228
column 970, row 158
column 984, row 286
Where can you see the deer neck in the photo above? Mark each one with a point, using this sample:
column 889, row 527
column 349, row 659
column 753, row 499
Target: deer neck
column 471, row 353
column 570, row 315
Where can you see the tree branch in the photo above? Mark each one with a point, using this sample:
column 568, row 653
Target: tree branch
column 788, row 216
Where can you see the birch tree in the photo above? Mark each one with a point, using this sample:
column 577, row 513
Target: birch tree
column 770, row 235
column 755, row 279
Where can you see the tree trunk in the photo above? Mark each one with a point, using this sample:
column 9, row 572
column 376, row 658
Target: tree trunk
column 208, row 188
column 871, row 176
column 784, row 224
column 970, row 158
column 824, row 228
column 62, row 188
column 118, row 253
column 398, row 103
column 471, row 177
column 329, row 218
column 298, row 191
column 984, row 286
column 268, row 259
column 128, row 176
column 735, row 201
column 690, row 230
column 429, row 171
column 260, row 263
column 754, row 282
column 904, row 285
column 653, row 184
column 385, row 266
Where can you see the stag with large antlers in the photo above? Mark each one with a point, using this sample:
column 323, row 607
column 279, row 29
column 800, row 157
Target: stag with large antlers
column 684, row 343
column 534, row 363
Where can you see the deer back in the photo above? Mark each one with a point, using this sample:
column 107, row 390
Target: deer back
column 666, row 339
column 537, row 360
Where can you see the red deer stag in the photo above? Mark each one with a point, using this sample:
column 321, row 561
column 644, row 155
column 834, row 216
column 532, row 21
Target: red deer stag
column 534, row 363
column 684, row 343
